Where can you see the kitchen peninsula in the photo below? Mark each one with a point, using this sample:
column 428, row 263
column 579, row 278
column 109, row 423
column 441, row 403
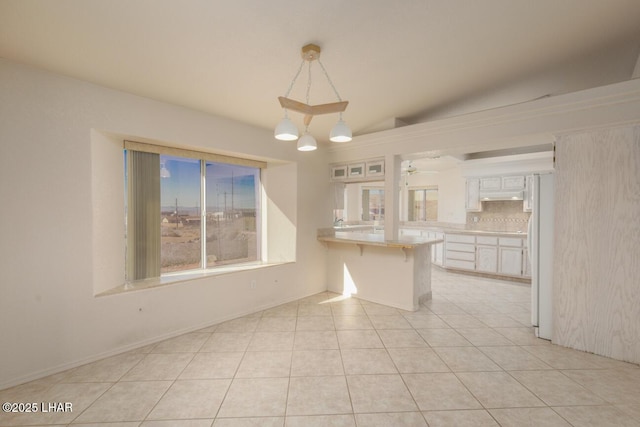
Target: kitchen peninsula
column 391, row 272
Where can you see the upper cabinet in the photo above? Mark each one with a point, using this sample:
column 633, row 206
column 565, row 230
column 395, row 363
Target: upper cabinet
column 507, row 187
column 502, row 183
column 355, row 170
column 359, row 171
column 492, row 183
column 375, row 168
column 472, row 195
column 338, row 173
column 527, row 205
column 515, row 182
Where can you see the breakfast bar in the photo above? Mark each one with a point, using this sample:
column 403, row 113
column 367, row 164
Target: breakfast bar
column 396, row 272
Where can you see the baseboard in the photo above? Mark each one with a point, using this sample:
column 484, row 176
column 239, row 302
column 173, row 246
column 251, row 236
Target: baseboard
column 123, row 349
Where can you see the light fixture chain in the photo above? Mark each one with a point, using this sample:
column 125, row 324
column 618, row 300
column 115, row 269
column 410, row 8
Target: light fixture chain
column 309, row 83
column 286, row 95
column 330, row 82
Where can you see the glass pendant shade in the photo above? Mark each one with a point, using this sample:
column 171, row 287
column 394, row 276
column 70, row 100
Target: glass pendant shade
column 164, row 172
column 340, row 132
column 307, row 143
column 286, row 130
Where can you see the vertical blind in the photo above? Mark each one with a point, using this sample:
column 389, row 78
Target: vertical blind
column 143, row 219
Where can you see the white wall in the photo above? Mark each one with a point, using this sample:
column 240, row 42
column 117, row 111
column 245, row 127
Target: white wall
column 597, row 246
column 56, row 167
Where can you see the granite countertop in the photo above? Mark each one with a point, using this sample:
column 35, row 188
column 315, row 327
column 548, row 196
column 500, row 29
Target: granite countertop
column 377, row 240
column 491, row 233
column 465, row 231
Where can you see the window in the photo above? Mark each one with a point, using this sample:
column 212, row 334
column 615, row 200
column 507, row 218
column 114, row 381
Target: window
column 188, row 210
column 372, row 204
column 423, row 204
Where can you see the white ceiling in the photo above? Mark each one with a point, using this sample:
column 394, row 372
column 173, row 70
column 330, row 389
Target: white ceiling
column 407, row 59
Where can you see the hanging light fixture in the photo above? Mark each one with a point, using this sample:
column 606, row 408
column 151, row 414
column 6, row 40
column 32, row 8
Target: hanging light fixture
column 307, row 142
column 287, row 131
column 164, row 172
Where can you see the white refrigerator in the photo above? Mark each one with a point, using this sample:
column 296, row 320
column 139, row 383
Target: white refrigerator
column 540, row 249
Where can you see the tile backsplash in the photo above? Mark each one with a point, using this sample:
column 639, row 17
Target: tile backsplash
column 499, row 216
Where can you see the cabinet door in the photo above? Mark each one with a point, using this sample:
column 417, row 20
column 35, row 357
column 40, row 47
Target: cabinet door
column 487, row 258
column 527, row 203
column 493, row 183
column 338, row 173
column 472, row 202
column 375, row 168
column 510, row 261
column 356, row 170
column 513, row 182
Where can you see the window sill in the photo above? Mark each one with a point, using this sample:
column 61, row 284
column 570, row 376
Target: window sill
column 186, row 276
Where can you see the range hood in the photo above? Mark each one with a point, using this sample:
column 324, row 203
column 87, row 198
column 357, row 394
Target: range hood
column 501, row 195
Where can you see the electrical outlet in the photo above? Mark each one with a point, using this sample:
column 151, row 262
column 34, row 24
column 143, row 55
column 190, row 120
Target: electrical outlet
column 253, row 284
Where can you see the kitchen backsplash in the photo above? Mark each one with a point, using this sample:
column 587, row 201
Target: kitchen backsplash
column 499, row 216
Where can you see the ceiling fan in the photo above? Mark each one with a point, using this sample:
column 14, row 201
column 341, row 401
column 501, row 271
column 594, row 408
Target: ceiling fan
column 411, row 169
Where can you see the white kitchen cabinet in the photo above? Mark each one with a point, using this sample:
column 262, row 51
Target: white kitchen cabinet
column 511, row 183
column 359, row 171
column 510, row 261
column 339, row 173
column 510, row 251
column 355, row 170
column 493, row 183
column 502, row 183
column 487, row 259
column 472, row 195
column 460, row 251
column 527, row 203
column 487, row 254
column 487, row 240
column 497, row 254
column 375, row 168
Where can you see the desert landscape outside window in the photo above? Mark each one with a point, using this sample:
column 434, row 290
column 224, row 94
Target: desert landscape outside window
column 188, row 213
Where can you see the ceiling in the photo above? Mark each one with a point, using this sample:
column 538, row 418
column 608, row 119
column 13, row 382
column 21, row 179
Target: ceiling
column 412, row 60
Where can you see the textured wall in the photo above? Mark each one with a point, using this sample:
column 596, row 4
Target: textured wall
column 597, row 266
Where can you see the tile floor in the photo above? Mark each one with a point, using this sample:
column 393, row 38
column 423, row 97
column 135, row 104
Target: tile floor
column 467, row 358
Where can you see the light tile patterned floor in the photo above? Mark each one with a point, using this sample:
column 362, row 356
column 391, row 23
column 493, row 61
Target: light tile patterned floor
column 467, row 358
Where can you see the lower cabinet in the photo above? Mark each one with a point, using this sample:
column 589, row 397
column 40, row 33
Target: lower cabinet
column 487, row 259
column 460, row 251
column 511, row 261
column 510, row 252
column 499, row 255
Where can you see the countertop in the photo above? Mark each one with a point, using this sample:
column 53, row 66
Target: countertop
column 408, row 242
column 459, row 231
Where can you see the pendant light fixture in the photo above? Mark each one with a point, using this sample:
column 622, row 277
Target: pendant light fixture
column 287, row 131
column 307, row 142
column 164, row 172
